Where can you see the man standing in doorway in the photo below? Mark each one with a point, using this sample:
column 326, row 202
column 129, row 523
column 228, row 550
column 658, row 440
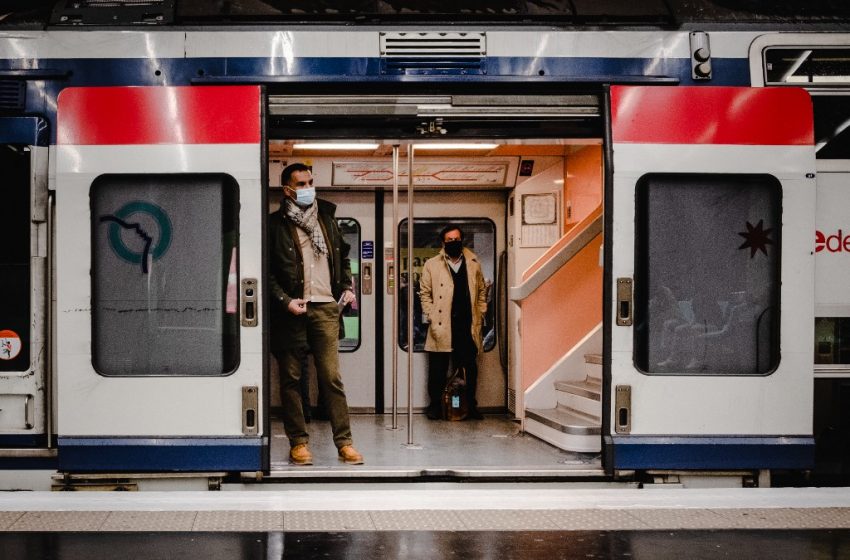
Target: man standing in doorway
column 454, row 300
column 309, row 272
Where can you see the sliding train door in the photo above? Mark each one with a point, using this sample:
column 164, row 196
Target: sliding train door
column 709, row 246
column 159, row 242
column 24, row 285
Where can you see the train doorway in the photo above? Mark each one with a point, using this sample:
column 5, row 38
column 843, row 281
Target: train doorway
column 513, row 195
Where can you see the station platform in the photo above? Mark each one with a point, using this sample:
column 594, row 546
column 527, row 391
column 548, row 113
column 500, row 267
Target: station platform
column 433, row 520
column 432, row 507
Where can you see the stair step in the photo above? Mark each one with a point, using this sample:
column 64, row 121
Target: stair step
column 589, row 388
column 566, row 420
column 593, row 358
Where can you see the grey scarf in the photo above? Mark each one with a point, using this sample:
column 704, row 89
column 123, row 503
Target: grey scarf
column 308, row 220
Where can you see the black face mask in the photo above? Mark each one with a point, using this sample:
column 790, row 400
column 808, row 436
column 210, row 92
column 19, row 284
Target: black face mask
column 454, row 249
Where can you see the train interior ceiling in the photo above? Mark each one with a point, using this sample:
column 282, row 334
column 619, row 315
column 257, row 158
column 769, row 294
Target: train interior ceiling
column 515, row 196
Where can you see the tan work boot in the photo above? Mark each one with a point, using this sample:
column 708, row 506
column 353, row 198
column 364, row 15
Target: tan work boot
column 350, row 456
column 300, row 455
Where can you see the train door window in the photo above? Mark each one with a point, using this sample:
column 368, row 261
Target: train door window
column 832, row 340
column 350, row 229
column 825, row 72
column 707, row 274
column 165, row 274
column 15, row 317
column 806, row 66
column 479, row 235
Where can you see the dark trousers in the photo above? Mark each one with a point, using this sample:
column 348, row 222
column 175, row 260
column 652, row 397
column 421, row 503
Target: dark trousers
column 438, row 367
column 322, row 331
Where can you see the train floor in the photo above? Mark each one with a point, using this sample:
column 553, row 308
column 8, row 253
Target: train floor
column 490, row 448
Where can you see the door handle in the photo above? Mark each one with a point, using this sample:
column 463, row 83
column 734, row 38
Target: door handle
column 624, row 302
column 366, row 279
column 249, row 302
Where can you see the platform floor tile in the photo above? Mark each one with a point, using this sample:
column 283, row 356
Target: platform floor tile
column 7, row 518
column 766, row 518
column 238, row 521
column 680, row 518
column 422, row 520
column 833, row 518
column 502, row 520
column 328, row 521
column 60, row 521
column 149, row 521
column 595, row 520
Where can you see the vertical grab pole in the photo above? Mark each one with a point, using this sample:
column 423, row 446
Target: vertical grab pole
column 410, row 294
column 394, row 341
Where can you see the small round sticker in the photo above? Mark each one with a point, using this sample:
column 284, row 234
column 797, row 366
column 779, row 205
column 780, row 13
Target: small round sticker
column 10, row 345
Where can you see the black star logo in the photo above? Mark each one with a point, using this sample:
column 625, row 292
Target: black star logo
column 756, row 238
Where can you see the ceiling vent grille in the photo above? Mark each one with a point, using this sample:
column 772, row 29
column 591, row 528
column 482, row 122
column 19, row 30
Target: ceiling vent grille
column 433, row 44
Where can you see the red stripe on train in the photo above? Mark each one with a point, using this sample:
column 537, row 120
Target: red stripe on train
column 711, row 115
column 159, row 115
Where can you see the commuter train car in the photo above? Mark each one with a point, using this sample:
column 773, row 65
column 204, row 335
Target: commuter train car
column 656, row 195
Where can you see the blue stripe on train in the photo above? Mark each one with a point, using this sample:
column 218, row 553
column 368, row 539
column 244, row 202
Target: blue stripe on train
column 160, row 454
column 715, row 453
column 41, row 95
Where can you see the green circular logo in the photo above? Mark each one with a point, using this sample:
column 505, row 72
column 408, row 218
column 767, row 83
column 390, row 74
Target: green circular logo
column 122, row 220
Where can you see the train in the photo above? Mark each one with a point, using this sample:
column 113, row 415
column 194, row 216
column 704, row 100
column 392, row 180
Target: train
column 656, row 194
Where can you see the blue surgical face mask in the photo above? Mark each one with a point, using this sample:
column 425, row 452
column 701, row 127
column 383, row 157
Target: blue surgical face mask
column 305, row 197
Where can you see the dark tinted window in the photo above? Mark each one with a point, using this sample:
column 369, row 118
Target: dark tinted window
column 165, row 281
column 15, row 233
column 707, row 274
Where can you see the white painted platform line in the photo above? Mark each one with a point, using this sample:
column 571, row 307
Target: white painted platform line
column 429, row 497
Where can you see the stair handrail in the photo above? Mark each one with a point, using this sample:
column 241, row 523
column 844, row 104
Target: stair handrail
column 559, row 254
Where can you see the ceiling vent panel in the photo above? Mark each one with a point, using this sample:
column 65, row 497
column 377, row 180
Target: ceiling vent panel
column 433, row 44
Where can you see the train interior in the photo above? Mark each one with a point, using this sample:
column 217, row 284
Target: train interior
column 524, row 180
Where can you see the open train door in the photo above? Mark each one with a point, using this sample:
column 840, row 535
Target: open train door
column 159, row 263
column 710, row 217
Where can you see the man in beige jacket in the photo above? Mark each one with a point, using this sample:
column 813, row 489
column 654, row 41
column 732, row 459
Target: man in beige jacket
column 454, row 301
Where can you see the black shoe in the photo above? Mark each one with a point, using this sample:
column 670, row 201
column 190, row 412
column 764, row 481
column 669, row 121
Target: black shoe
column 474, row 415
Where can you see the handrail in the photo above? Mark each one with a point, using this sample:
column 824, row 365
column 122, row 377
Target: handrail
column 558, row 255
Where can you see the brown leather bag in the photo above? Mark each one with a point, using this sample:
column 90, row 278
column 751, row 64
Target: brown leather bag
column 455, row 405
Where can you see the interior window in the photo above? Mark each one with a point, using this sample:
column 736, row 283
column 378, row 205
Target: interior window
column 832, row 126
column 707, row 274
column 15, row 316
column 480, row 237
column 832, row 340
column 350, row 229
column 804, row 66
column 165, row 275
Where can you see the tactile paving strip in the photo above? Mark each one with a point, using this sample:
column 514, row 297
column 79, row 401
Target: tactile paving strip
column 680, row 518
column 7, row 518
column 328, row 521
column 60, row 521
column 596, row 520
column 433, row 520
column 424, row 520
column 149, row 521
column 238, row 521
column 503, row 520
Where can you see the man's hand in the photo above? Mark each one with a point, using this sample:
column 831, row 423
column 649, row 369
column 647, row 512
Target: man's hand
column 347, row 298
column 298, row 306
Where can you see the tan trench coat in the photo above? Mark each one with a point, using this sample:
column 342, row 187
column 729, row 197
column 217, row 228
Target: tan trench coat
column 436, row 289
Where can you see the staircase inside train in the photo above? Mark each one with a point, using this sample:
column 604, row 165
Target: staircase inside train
column 523, row 176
